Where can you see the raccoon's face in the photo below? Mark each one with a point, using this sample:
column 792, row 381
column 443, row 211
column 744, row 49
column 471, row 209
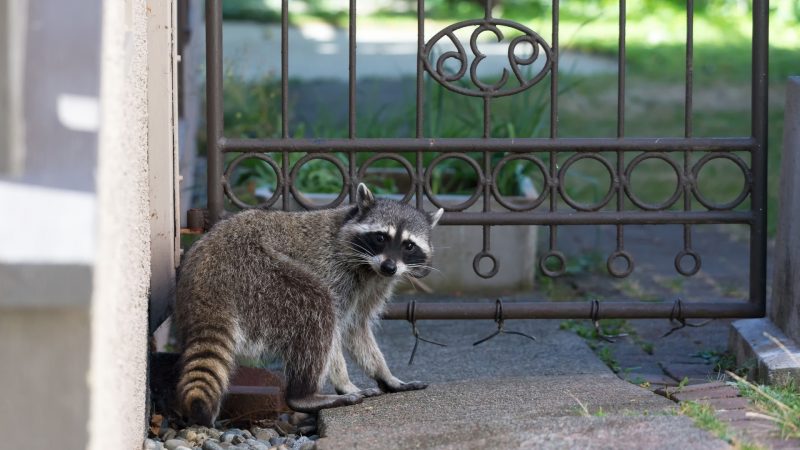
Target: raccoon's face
column 390, row 237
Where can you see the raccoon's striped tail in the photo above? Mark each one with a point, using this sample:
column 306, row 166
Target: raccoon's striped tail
column 206, row 363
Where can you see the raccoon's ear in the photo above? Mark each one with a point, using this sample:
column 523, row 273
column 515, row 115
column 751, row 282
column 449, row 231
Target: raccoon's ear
column 436, row 216
column 364, row 197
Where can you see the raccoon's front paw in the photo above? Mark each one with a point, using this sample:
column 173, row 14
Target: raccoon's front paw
column 395, row 385
column 371, row 392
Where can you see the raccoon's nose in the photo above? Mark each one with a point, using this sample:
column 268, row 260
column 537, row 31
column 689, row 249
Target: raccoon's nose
column 388, row 267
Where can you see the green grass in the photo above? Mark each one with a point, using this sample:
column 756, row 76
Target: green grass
column 781, row 403
column 704, row 417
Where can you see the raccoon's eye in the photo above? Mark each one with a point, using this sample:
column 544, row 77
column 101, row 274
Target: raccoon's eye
column 410, row 246
column 380, row 238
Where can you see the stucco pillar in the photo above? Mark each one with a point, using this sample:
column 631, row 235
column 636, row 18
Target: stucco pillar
column 772, row 342
column 118, row 363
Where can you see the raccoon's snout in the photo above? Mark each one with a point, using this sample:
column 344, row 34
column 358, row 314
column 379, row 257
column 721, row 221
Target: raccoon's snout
column 388, row 267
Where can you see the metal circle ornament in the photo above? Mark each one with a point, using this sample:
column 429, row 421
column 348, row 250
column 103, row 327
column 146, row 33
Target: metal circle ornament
column 449, row 80
column 676, row 193
column 226, row 184
column 325, row 157
column 558, row 258
column 748, row 181
column 476, row 263
column 362, row 172
column 475, row 195
column 532, row 203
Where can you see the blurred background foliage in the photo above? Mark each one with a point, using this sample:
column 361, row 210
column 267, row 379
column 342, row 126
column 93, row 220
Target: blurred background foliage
column 655, row 67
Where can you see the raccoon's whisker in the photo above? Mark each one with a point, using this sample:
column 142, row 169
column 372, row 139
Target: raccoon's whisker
column 365, row 250
column 422, row 266
column 410, row 281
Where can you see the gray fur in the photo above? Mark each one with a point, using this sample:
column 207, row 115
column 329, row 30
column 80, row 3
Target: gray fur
column 300, row 285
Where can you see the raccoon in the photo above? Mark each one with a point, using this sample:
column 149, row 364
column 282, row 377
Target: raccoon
column 301, row 285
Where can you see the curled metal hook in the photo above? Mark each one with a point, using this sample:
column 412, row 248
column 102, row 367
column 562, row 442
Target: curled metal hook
column 594, row 315
column 676, row 315
column 498, row 318
column 411, row 310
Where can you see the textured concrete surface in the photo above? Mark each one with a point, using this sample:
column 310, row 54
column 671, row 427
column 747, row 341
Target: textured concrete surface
column 509, row 392
column 118, row 362
column 612, row 432
column 774, row 364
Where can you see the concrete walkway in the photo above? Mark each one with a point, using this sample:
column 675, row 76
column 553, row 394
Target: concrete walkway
column 509, row 392
column 252, row 51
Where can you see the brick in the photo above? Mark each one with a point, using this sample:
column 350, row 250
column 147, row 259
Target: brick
column 245, row 404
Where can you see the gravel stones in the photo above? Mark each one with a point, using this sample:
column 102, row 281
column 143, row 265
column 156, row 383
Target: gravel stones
column 150, row 444
column 173, row 444
column 264, row 434
column 286, row 437
column 211, row 445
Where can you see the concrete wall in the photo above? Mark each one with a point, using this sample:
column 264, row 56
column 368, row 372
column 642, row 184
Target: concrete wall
column 773, row 342
column 784, row 307
column 96, row 161
column 48, row 150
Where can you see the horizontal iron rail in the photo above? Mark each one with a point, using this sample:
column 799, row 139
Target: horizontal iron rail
column 571, row 310
column 597, row 218
column 482, row 144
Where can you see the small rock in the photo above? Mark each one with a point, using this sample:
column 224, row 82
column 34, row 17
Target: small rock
column 173, row 444
column 150, row 444
column 264, row 434
column 234, row 436
column 284, row 417
column 170, row 434
column 211, row 445
column 276, row 441
column 298, row 417
column 313, row 437
column 247, row 434
column 213, row 433
column 183, row 447
column 188, row 434
column 283, row 447
column 284, row 427
column 289, row 442
column 303, row 443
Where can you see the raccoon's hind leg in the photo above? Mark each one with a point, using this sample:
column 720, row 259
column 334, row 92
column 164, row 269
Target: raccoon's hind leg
column 310, row 339
column 305, row 373
column 206, row 364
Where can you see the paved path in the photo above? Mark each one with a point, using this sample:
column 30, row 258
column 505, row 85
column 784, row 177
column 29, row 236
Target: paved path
column 252, row 51
column 506, row 393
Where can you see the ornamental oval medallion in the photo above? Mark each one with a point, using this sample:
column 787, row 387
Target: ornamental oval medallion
column 520, row 65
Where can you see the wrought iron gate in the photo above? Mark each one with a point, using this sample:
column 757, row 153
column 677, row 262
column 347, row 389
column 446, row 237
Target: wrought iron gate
column 545, row 211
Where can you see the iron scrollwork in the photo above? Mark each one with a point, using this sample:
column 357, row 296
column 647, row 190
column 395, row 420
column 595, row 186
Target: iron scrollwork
column 438, row 71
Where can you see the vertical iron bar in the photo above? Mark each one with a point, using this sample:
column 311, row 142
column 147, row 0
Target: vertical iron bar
column 554, row 75
column 621, row 120
column 214, row 115
column 285, row 99
column 621, row 71
column 352, row 97
column 285, row 69
column 688, row 115
column 420, row 95
column 758, row 231
column 554, row 123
